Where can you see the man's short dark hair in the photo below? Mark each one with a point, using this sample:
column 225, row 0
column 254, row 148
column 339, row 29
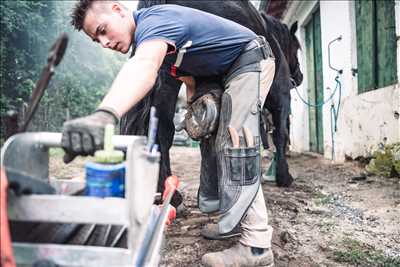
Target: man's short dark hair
column 79, row 12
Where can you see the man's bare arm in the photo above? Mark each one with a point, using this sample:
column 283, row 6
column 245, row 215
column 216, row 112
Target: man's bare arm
column 136, row 78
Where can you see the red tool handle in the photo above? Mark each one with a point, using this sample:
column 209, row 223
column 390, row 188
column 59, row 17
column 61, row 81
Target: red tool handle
column 171, row 215
column 6, row 252
column 171, row 184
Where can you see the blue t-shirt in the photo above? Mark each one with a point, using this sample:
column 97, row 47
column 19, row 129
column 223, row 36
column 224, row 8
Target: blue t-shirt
column 200, row 44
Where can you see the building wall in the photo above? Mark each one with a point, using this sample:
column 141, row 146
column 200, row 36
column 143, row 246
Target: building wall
column 365, row 120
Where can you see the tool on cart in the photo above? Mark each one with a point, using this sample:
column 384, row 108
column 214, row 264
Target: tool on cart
column 106, row 176
column 55, row 55
column 108, row 155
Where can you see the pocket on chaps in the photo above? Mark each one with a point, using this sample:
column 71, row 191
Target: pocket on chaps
column 243, row 165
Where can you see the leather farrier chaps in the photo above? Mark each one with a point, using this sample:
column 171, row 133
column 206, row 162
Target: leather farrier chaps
column 238, row 168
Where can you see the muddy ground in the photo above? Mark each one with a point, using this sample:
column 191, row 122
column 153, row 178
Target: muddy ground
column 332, row 215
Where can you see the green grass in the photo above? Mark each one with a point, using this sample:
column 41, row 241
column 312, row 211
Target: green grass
column 355, row 253
column 322, row 200
column 56, row 152
column 326, row 226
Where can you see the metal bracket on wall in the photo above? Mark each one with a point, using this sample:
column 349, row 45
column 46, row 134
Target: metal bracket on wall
column 340, row 71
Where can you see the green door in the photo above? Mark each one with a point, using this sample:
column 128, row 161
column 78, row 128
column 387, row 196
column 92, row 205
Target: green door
column 376, row 44
column 315, row 82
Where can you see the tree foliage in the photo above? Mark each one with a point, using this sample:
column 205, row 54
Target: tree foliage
column 28, row 30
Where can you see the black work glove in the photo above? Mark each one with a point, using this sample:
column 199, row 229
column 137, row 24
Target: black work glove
column 83, row 136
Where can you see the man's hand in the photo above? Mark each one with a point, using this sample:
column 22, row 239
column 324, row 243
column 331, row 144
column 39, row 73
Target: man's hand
column 83, row 136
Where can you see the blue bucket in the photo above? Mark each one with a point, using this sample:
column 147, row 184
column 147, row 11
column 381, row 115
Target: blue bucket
column 105, row 180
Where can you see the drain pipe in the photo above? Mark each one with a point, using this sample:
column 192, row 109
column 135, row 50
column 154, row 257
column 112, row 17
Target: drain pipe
column 334, row 111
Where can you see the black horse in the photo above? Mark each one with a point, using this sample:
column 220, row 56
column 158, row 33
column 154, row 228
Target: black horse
column 284, row 45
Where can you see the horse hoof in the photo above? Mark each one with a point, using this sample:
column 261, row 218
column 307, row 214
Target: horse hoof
column 284, row 181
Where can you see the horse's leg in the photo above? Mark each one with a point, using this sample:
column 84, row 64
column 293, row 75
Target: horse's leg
column 136, row 122
column 279, row 117
column 165, row 100
column 264, row 131
column 288, row 129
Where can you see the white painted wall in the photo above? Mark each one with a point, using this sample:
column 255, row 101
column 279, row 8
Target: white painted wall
column 364, row 120
column 336, row 22
column 367, row 120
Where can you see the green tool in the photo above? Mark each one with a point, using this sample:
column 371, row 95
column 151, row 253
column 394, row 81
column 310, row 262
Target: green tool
column 109, row 155
column 270, row 174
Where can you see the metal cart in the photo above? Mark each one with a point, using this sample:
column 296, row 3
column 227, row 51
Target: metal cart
column 27, row 155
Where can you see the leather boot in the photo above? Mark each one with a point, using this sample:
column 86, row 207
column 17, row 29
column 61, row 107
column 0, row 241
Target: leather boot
column 210, row 231
column 238, row 255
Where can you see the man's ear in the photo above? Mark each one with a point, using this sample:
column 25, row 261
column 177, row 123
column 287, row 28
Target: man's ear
column 116, row 7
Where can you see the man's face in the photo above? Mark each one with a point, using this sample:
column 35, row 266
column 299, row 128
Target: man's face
column 109, row 25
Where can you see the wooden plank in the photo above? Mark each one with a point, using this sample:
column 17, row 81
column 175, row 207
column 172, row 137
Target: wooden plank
column 386, row 42
column 309, row 28
column 366, row 58
column 319, row 83
column 68, row 209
